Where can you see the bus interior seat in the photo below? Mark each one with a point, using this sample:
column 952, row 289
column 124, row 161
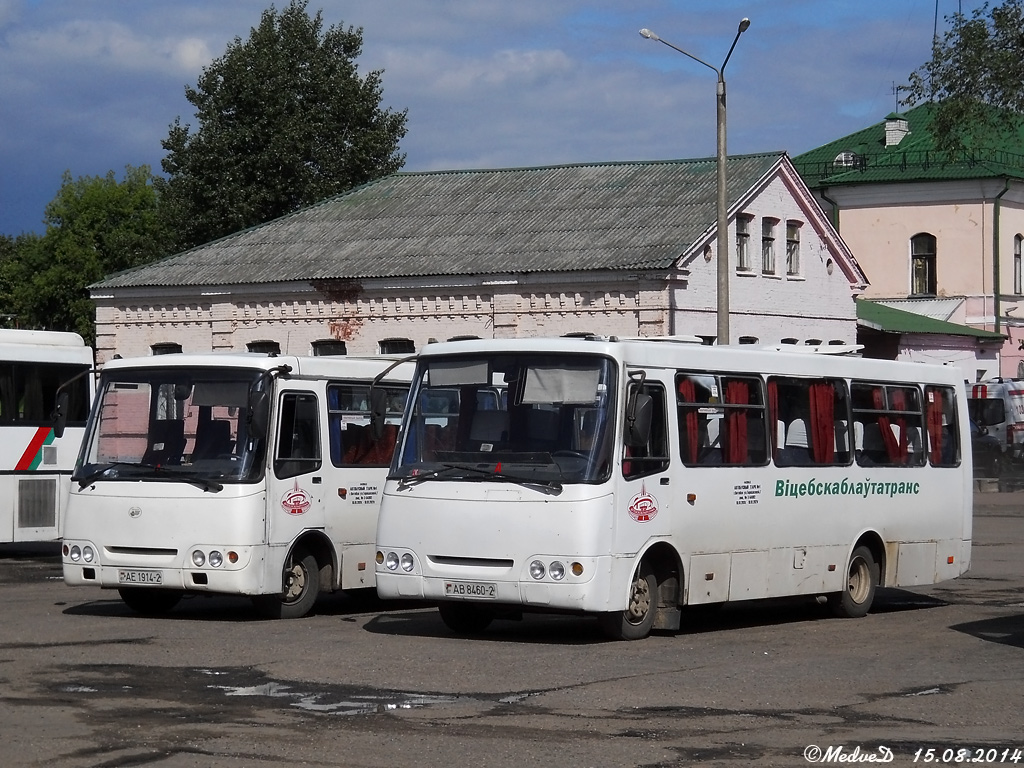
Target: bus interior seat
column 710, row 451
column 542, row 428
column 382, row 450
column 166, row 442
column 213, row 439
column 869, row 444
column 489, row 428
column 756, row 448
column 797, row 448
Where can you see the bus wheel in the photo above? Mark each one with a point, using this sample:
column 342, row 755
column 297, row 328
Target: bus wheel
column 465, row 619
column 149, row 602
column 300, row 588
column 636, row 621
column 862, row 578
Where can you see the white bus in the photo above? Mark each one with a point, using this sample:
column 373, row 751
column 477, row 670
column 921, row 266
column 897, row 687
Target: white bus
column 630, row 478
column 232, row 473
column 36, row 464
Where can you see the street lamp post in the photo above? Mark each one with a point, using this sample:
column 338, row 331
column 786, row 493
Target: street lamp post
column 722, row 203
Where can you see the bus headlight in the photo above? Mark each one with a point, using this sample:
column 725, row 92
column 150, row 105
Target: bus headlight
column 75, row 554
column 216, row 559
column 557, row 571
column 87, row 554
column 198, row 559
column 537, row 569
column 391, row 561
column 407, row 562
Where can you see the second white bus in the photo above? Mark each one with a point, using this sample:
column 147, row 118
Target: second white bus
column 630, row 478
column 35, row 462
column 237, row 474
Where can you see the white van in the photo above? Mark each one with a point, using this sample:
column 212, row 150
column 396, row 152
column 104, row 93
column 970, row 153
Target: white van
column 997, row 406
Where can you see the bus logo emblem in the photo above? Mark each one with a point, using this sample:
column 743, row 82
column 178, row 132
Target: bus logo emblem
column 135, row 512
column 643, row 507
column 296, row 501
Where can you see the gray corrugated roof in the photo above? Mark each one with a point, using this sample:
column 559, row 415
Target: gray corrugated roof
column 634, row 215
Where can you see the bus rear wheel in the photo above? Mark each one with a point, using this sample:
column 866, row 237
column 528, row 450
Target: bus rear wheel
column 149, row 602
column 463, row 619
column 862, row 577
column 636, row 621
column 300, row 588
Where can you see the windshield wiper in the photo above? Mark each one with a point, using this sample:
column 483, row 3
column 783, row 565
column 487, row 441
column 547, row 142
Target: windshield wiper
column 143, row 470
column 546, row 486
column 96, row 474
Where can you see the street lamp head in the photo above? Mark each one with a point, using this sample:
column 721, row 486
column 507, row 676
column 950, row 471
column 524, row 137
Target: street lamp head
column 744, row 25
column 648, row 34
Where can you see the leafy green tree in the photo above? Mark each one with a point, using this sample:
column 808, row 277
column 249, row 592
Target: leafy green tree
column 285, row 120
column 976, row 75
column 94, row 226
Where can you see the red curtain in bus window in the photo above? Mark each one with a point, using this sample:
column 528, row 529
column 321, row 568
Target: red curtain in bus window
column 773, row 418
column 736, row 393
column 688, row 394
column 823, row 425
column 899, row 403
column 892, row 448
column 934, row 418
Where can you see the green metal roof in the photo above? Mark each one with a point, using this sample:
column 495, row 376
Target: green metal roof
column 863, row 157
column 891, row 320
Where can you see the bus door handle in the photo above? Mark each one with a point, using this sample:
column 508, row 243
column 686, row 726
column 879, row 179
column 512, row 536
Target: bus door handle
column 664, row 481
column 317, row 481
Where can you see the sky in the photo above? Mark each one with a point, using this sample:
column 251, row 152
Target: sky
column 92, row 86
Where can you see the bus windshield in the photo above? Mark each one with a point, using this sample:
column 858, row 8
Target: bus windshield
column 987, row 412
column 539, row 418
column 174, row 424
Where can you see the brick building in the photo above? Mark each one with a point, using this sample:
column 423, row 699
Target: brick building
column 622, row 249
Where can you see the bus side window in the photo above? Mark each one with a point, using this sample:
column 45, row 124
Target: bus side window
column 941, row 422
column 649, row 459
column 298, row 442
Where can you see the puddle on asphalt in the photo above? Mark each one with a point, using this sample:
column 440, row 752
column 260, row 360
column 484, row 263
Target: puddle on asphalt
column 335, row 701
column 213, row 685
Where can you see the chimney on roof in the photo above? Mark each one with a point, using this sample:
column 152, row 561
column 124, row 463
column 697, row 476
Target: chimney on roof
column 896, row 127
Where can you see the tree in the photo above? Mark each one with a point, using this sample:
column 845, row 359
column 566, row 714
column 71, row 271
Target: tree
column 94, row 226
column 284, row 121
column 976, row 76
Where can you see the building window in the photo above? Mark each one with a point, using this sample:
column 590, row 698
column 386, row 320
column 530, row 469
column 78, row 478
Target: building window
column 264, row 347
column 397, row 346
column 166, row 348
column 768, row 246
column 329, row 348
column 743, row 243
column 792, row 247
column 1016, row 264
column 922, row 265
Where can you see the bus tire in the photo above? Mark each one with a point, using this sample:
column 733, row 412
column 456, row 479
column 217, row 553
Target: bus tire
column 636, row 621
column 464, row 619
column 861, row 580
column 299, row 591
column 149, row 602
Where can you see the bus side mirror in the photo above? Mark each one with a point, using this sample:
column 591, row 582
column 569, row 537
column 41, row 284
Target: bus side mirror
column 60, row 414
column 639, row 415
column 378, row 412
column 259, row 412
